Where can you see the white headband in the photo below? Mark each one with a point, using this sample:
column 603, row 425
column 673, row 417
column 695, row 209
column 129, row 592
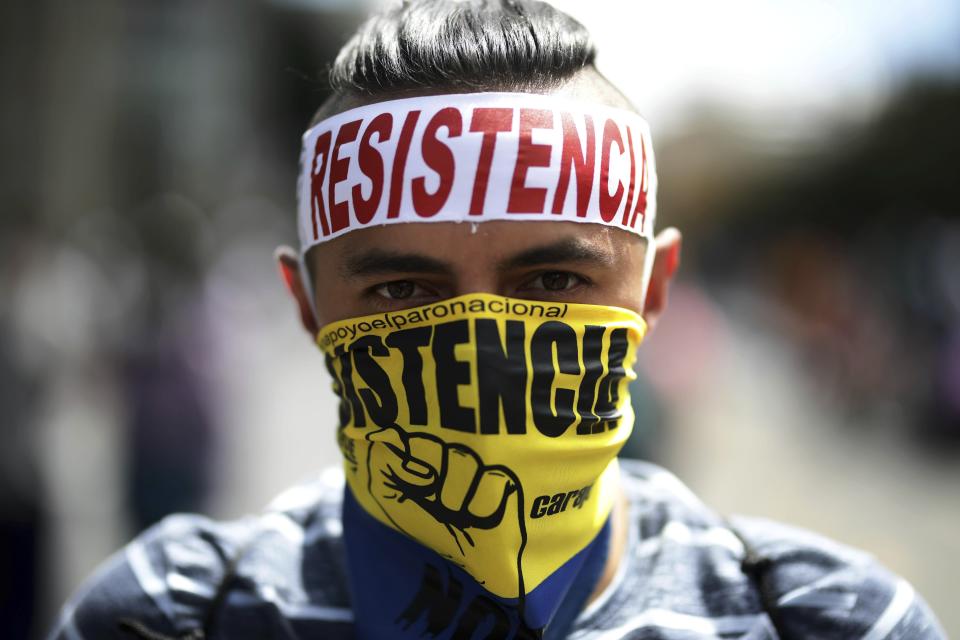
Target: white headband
column 472, row 158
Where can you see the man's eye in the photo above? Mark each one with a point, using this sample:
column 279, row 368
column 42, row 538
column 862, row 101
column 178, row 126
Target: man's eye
column 556, row 281
column 397, row 290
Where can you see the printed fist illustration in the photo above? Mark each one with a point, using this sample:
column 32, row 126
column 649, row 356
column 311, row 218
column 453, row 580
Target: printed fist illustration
column 444, row 496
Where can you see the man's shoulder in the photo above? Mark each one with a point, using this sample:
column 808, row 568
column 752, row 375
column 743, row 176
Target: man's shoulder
column 818, row 586
column 175, row 577
column 752, row 575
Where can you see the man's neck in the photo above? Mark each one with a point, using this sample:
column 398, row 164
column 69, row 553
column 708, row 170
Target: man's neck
column 618, row 542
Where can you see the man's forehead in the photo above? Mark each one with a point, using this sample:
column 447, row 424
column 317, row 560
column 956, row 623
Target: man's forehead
column 478, row 245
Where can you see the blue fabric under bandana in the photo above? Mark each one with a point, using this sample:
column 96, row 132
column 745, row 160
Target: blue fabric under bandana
column 401, row 589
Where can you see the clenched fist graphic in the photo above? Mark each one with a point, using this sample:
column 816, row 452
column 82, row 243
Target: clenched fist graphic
column 444, row 496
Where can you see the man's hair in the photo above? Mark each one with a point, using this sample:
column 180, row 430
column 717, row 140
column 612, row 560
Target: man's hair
column 479, row 45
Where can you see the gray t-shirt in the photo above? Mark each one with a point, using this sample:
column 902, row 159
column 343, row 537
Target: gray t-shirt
column 686, row 574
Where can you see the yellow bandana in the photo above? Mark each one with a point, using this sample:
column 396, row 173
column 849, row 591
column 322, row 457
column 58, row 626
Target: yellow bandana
column 487, row 428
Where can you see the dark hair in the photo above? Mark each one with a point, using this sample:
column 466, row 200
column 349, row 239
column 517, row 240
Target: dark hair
column 463, row 44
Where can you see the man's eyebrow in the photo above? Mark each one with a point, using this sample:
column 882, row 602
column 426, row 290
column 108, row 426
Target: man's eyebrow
column 565, row 250
column 378, row 261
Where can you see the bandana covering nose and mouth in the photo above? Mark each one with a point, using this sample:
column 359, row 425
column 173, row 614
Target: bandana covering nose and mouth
column 479, row 437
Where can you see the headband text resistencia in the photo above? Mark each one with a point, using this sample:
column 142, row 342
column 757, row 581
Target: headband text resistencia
column 475, row 158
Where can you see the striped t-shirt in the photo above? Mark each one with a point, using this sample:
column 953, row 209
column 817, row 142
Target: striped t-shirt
column 686, row 574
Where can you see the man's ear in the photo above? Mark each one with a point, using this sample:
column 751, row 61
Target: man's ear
column 293, row 279
column 665, row 264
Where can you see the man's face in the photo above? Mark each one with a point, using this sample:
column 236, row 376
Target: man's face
column 400, row 266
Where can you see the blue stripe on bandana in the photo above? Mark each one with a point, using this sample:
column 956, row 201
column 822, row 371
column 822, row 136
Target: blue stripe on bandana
column 402, row 589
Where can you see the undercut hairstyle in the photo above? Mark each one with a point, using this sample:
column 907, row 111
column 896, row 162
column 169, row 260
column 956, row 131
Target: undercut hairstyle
column 474, row 45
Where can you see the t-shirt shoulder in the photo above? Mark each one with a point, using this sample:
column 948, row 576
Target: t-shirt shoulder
column 815, row 587
column 167, row 579
column 680, row 575
column 688, row 569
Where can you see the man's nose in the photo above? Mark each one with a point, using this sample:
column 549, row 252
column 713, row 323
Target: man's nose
column 477, row 281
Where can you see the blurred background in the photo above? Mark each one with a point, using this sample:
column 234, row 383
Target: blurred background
column 808, row 368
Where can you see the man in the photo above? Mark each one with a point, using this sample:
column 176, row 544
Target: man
column 478, row 264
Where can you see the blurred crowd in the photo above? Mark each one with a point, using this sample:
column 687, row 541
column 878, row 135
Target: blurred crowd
column 854, row 258
column 149, row 362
